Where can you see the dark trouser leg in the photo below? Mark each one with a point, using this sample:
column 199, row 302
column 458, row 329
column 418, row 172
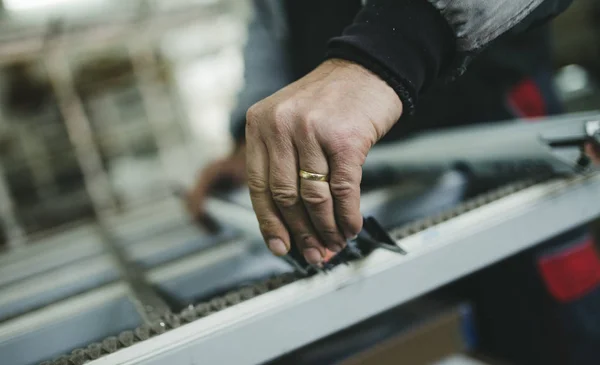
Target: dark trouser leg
column 543, row 305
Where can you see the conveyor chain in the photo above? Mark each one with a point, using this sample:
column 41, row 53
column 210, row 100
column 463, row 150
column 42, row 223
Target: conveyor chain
column 467, row 206
column 171, row 321
column 204, row 309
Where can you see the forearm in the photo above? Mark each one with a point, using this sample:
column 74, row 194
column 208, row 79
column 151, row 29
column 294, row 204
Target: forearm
column 413, row 43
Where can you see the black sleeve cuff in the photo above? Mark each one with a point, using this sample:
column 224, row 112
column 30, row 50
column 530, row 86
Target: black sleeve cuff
column 407, row 43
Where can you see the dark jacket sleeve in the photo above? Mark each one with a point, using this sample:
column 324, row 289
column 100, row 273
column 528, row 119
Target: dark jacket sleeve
column 412, row 43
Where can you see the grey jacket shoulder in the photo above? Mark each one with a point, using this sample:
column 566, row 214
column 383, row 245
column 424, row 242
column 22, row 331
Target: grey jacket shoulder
column 478, row 22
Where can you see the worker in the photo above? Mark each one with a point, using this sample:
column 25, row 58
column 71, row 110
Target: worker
column 323, row 124
column 327, row 80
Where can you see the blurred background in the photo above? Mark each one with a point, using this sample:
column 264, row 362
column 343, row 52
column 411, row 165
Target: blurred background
column 109, row 108
column 109, row 105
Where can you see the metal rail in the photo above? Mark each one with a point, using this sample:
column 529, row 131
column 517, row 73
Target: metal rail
column 286, row 317
column 149, row 304
column 80, row 133
column 14, row 231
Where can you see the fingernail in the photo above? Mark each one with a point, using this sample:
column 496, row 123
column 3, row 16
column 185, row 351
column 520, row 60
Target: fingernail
column 277, row 246
column 349, row 234
column 335, row 248
column 313, row 256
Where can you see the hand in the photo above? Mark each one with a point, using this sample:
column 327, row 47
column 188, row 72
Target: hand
column 227, row 173
column 593, row 152
column 324, row 123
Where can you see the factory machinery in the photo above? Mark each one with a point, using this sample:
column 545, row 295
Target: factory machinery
column 149, row 288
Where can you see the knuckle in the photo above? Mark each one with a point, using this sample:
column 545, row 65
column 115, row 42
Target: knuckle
column 284, row 196
column 279, row 120
column 313, row 117
column 268, row 227
column 257, row 184
column 283, row 112
column 339, row 147
column 252, row 118
column 307, row 240
column 343, row 189
column 315, row 198
column 253, row 112
column 348, row 157
column 348, row 144
column 309, row 121
column 305, row 237
column 331, row 235
column 330, row 231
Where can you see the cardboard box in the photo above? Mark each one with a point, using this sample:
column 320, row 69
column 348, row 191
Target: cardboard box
column 433, row 340
column 419, row 332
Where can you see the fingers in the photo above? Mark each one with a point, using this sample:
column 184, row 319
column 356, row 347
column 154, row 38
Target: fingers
column 324, row 122
column 316, row 195
column 271, row 225
column 284, row 189
column 344, row 183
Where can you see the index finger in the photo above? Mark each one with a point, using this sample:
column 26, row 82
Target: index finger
column 271, row 225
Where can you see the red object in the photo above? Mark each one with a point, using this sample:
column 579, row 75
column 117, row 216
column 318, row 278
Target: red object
column 328, row 255
column 527, row 100
column 572, row 273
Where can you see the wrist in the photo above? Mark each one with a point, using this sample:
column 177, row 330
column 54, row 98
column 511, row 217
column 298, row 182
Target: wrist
column 372, row 84
column 407, row 43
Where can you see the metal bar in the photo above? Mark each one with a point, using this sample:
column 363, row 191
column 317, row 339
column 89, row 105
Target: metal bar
column 47, row 250
column 61, row 310
column 42, row 290
column 490, row 150
column 80, row 133
column 58, row 328
column 37, row 160
column 89, row 276
column 149, row 304
column 15, row 233
column 45, row 285
column 304, row 311
column 48, row 254
column 154, row 100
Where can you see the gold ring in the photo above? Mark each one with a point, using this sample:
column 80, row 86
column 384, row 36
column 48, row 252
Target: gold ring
column 313, row 176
